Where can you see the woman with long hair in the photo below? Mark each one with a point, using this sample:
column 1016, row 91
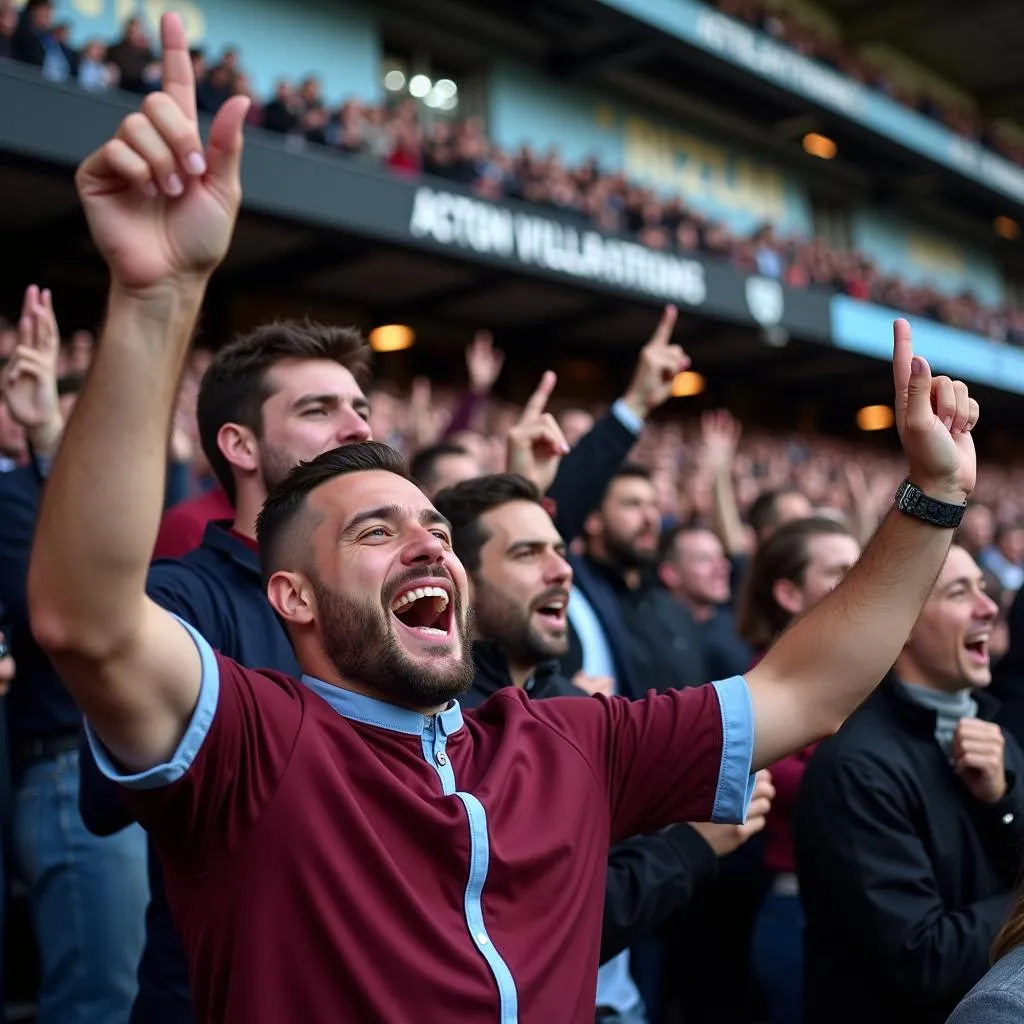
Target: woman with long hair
column 798, row 565
column 999, row 997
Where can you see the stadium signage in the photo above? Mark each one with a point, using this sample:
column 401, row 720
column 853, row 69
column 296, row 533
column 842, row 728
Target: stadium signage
column 699, row 25
column 451, row 219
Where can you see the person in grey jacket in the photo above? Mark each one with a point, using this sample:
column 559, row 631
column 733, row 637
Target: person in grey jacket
column 999, row 997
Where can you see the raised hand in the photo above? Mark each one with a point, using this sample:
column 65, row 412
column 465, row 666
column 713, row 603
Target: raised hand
column 29, row 383
column 656, row 368
column 159, row 206
column 484, row 363
column 935, row 417
column 719, row 436
column 536, row 443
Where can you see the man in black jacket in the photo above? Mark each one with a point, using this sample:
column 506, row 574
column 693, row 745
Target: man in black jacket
column 909, row 824
column 516, row 562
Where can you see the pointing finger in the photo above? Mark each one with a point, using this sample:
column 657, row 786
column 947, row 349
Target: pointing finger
column 178, row 75
column 177, row 130
column 902, row 354
column 539, row 399
column 666, row 325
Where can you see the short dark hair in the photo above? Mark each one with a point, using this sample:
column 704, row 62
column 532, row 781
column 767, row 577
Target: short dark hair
column 628, row 471
column 287, row 500
column 464, row 504
column 423, row 467
column 235, row 385
column 670, row 536
column 764, row 512
column 785, row 555
column 70, row 384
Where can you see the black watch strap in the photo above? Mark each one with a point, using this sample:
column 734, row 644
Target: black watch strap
column 911, row 500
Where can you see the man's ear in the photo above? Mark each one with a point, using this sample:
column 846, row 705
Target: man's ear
column 291, row 596
column 239, row 446
column 788, row 596
column 669, row 575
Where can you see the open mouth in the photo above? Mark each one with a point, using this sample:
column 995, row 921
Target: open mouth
column 424, row 610
column 553, row 612
column 977, row 649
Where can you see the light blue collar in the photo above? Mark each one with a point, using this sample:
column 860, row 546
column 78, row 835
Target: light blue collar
column 360, row 708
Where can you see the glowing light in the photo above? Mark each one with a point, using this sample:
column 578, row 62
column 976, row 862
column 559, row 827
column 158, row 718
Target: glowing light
column 820, row 146
column 1006, row 227
column 875, row 417
column 394, row 80
column 419, row 86
column 392, row 338
column 687, row 383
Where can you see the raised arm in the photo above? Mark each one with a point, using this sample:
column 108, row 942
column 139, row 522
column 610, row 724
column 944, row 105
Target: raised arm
column 161, row 212
column 819, row 671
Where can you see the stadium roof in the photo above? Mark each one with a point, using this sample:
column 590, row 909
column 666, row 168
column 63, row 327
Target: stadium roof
column 974, row 45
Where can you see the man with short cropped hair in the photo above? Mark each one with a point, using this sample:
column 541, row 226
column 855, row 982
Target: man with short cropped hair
column 441, row 466
column 323, row 836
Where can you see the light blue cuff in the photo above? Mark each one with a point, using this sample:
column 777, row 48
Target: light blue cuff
column 735, row 781
column 198, row 727
column 627, row 417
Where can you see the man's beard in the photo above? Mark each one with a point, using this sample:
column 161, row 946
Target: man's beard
column 274, row 465
column 624, row 554
column 500, row 619
column 361, row 643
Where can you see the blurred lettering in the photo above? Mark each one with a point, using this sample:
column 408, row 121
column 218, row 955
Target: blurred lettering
column 679, row 161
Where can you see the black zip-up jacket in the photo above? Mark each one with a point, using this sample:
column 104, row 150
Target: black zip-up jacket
column 905, row 876
column 649, row 877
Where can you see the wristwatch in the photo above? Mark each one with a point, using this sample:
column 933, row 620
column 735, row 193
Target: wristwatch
column 911, row 500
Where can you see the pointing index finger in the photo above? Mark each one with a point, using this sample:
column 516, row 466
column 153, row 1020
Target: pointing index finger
column 179, row 80
column 902, row 354
column 666, row 325
column 539, row 399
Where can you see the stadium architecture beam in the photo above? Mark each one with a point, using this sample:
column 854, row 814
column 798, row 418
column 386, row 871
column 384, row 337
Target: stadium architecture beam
column 571, row 61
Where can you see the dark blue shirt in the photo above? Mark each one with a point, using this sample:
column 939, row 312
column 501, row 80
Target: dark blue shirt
column 727, row 654
column 38, row 705
column 216, row 588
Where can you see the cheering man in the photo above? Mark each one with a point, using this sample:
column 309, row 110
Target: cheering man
column 349, row 845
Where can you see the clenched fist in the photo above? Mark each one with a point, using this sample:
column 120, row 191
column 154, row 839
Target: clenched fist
column 978, row 757
column 161, row 208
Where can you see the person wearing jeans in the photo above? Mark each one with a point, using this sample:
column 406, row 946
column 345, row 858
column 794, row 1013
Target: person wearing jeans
column 88, row 897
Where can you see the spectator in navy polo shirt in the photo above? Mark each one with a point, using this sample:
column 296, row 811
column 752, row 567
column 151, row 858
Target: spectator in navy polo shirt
column 321, row 838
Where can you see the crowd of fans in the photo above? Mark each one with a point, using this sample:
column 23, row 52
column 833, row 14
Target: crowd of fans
column 410, row 140
column 316, row 812
column 787, row 27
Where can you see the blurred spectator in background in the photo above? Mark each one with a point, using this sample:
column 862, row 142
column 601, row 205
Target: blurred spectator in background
column 1005, row 557
column 801, row 562
column 134, row 58
column 86, row 895
column 95, row 72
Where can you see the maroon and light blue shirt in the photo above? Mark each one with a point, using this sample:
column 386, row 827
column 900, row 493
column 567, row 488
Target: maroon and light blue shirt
column 331, row 857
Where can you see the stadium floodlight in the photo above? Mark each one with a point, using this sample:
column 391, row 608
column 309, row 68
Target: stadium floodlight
column 1006, row 227
column 687, row 383
column 875, row 417
column 394, row 80
column 392, row 338
column 820, row 146
column 419, row 86
column 445, row 87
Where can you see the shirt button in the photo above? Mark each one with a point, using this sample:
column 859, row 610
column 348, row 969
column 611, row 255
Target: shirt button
column 481, row 938
column 440, row 758
column 1007, row 819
